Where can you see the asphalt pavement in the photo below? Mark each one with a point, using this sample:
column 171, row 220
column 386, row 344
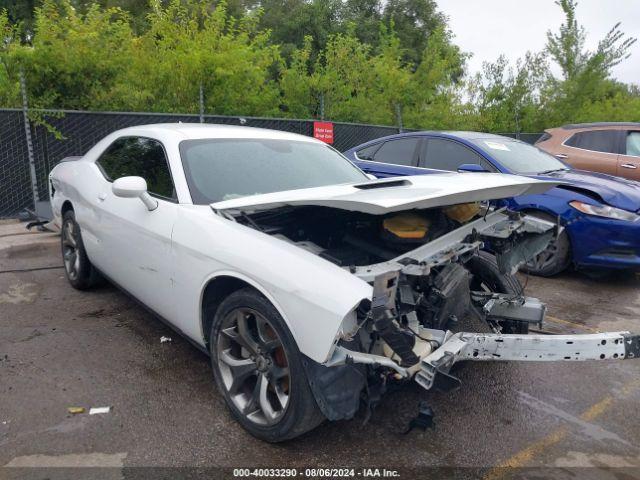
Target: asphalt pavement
column 62, row 348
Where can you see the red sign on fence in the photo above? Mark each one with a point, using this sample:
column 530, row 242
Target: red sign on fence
column 323, row 131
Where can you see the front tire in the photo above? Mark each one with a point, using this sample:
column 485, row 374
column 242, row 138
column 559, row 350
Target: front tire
column 555, row 258
column 258, row 369
column 81, row 274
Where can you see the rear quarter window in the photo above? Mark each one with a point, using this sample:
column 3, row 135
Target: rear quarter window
column 605, row 141
column 368, row 152
column 543, row 138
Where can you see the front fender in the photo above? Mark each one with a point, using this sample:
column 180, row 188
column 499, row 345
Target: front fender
column 312, row 295
column 249, row 281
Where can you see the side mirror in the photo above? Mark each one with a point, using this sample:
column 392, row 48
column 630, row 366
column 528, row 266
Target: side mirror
column 371, row 177
column 134, row 187
column 471, row 167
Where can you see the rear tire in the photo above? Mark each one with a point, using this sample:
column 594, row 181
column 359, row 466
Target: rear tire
column 487, row 277
column 555, row 258
column 258, row 369
column 81, row 274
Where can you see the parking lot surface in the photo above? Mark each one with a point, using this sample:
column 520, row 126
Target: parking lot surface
column 62, row 348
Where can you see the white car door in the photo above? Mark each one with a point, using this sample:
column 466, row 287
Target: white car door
column 135, row 243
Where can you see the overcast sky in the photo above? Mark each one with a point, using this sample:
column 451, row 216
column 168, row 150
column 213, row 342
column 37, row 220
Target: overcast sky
column 488, row 28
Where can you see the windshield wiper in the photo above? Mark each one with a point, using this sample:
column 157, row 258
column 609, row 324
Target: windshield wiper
column 563, row 169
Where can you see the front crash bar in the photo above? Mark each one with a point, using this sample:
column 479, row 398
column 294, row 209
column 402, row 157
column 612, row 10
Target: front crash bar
column 434, row 367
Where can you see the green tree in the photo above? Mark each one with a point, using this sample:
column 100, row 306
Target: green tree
column 76, row 60
column 189, row 46
column 414, row 21
column 434, row 99
column 390, row 80
column 291, row 21
column 567, row 47
column 9, row 86
column 365, row 59
column 23, row 12
column 585, row 80
column 528, row 97
column 300, row 98
column 342, row 78
column 364, row 17
column 506, row 98
column 20, row 12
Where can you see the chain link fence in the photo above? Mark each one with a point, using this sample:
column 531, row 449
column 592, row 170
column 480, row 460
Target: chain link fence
column 73, row 133
column 15, row 183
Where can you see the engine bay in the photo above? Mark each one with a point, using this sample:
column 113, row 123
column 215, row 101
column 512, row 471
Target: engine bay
column 446, row 262
column 351, row 239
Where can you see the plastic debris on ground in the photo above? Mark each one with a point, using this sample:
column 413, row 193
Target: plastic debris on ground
column 165, row 339
column 96, row 410
column 423, row 420
column 75, row 410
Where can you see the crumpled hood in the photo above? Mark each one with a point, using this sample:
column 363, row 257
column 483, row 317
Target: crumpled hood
column 615, row 191
column 394, row 194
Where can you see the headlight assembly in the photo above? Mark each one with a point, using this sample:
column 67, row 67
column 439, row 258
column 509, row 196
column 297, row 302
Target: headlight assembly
column 604, row 211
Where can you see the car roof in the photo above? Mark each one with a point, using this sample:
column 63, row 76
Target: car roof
column 476, row 135
column 196, row 131
column 467, row 135
column 574, row 126
column 464, row 135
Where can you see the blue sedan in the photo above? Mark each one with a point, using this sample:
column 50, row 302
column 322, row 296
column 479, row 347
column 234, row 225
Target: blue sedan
column 600, row 213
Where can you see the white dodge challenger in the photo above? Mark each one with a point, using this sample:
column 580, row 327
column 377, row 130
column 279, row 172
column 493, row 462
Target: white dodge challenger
column 310, row 285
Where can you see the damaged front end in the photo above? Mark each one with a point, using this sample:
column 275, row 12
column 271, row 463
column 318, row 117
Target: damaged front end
column 416, row 296
column 430, row 270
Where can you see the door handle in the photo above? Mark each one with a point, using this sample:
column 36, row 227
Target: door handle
column 629, row 165
column 561, row 156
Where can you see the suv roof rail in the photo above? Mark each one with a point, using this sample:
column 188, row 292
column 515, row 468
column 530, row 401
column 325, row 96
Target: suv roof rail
column 572, row 126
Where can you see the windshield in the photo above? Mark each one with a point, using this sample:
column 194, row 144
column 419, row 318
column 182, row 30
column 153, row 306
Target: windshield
column 520, row 157
column 223, row 169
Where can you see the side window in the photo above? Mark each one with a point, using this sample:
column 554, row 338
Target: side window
column 605, row 141
column 633, row 144
column 445, row 154
column 398, row 152
column 367, row 152
column 141, row 157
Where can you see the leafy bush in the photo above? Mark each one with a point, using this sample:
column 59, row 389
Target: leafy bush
column 349, row 60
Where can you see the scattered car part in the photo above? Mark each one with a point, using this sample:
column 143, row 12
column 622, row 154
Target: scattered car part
column 423, row 420
column 99, row 410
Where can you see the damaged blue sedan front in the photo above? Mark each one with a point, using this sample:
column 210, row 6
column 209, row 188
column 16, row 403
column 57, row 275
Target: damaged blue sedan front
column 600, row 213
